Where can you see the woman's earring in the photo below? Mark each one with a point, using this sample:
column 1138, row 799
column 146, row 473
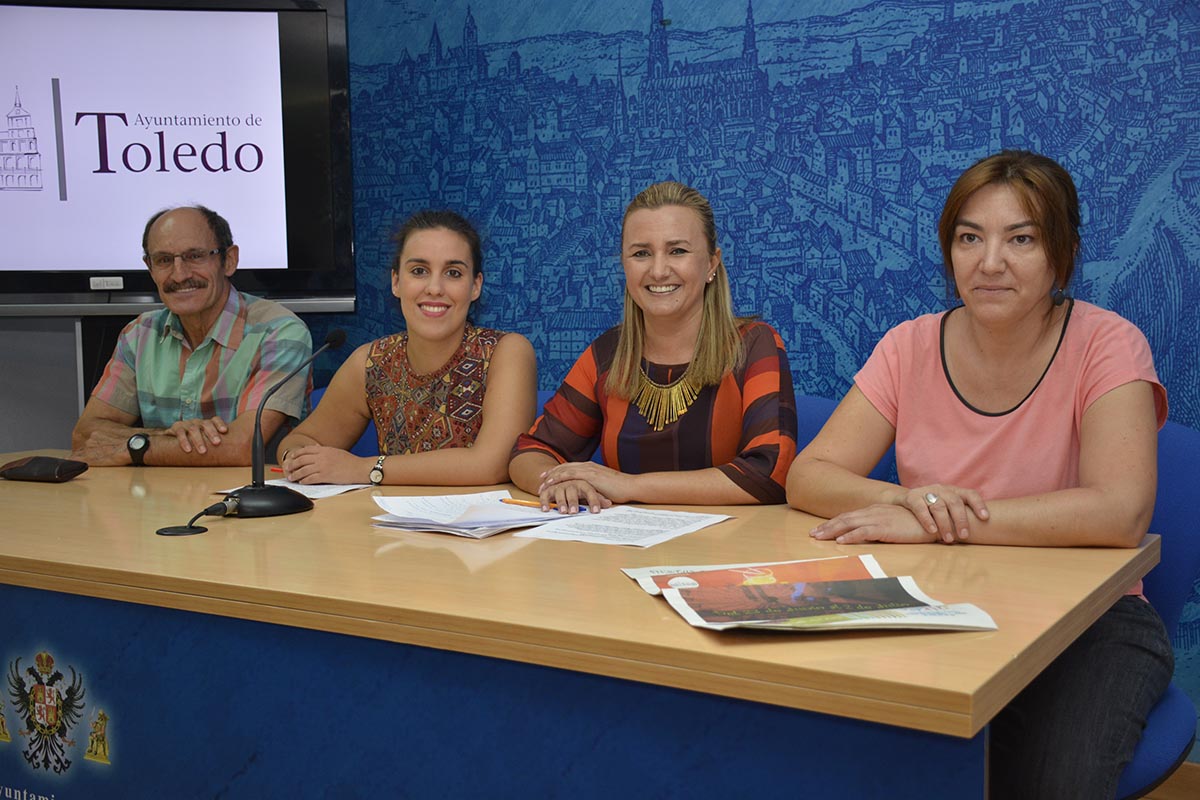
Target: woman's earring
column 1059, row 296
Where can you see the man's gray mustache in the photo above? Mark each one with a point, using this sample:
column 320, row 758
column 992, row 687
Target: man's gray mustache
column 175, row 287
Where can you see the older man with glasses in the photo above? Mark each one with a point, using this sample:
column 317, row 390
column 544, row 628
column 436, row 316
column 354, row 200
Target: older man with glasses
column 184, row 381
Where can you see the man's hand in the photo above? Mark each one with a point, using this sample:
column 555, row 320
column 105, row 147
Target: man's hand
column 198, row 434
column 104, row 449
column 108, row 446
column 103, row 430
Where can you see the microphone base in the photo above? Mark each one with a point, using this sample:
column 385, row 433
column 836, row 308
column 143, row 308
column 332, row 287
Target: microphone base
column 269, row 501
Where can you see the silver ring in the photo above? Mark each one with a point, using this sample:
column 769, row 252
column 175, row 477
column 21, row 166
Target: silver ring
column 931, row 498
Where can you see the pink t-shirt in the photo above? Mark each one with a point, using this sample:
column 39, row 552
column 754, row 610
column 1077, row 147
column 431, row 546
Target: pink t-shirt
column 1031, row 449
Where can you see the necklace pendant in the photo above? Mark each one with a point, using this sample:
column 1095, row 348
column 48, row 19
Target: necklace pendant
column 662, row 405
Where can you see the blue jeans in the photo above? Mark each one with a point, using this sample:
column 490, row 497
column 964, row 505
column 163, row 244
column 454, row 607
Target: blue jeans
column 1071, row 732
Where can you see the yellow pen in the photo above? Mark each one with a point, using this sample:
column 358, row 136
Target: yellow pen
column 512, row 501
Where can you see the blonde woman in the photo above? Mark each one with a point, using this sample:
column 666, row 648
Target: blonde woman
column 687, row 402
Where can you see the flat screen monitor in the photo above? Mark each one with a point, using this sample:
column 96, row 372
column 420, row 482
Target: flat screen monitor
column 118, row 109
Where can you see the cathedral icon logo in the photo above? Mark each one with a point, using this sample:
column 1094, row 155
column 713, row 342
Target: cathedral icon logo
column 20, row 161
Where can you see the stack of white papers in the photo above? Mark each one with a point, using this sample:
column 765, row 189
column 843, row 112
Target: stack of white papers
column 483, row 514
column 475, row 516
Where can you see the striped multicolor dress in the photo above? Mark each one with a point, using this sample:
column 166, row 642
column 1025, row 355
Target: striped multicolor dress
column 745, row 426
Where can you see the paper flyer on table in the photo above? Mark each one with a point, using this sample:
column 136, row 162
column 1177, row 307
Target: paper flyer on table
column 654, row 579
column 638, row 527
column 823, row 606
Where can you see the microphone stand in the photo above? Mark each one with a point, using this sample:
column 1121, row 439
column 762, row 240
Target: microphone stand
column 258, row 499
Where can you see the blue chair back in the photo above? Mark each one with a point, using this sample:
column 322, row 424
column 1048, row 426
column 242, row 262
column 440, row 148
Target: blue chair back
column 1169, row 584
column 811, row 415
column 1171, row 727
column 542, row 396
column 368, row 443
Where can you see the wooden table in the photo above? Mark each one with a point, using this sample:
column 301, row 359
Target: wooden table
column 211, row 700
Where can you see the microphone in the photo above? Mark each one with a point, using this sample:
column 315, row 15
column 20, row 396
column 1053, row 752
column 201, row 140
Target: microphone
column 258, row 499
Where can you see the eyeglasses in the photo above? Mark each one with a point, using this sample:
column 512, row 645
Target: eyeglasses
column 193, row 258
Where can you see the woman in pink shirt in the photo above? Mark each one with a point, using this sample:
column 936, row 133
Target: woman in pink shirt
column 1020, row 417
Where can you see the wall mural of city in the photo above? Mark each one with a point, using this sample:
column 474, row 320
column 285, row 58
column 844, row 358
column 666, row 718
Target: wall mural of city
column 826, row 136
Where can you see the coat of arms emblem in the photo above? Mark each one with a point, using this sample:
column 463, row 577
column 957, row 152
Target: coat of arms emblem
column 48, row 707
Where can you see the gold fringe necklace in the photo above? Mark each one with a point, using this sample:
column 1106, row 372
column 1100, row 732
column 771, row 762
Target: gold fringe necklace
column 661, row 405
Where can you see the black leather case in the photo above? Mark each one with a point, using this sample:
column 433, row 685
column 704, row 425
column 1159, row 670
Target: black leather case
column 46, row 469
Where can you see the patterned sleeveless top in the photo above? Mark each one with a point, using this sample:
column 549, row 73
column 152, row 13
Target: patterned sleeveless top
column 418, row 413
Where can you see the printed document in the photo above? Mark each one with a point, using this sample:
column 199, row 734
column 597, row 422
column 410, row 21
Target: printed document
column 639, row 527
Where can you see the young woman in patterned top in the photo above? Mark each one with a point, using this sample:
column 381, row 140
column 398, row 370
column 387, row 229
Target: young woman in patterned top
column 687, row 402
column 448, row 399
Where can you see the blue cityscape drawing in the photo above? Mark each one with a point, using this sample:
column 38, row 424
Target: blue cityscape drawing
column 826, row 144
column 826, row 138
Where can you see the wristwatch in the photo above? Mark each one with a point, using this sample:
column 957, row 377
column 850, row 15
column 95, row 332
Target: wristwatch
column 138, row 444
column 377, row 472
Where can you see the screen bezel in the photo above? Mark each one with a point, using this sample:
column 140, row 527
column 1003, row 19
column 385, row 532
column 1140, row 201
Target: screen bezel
column 318, row 169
